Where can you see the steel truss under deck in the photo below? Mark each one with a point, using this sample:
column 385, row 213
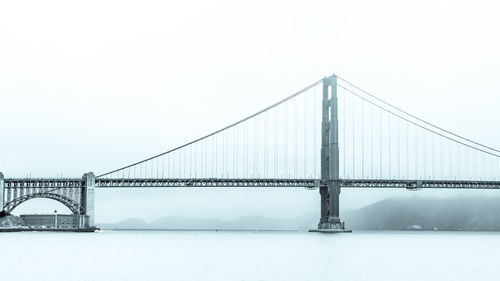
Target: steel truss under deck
column 243, row 182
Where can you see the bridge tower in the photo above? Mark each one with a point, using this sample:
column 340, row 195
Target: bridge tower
column 88, row 198
column 330, row 219
column 2, row 186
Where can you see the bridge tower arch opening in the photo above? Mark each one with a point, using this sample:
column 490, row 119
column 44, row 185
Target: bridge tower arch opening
column 41, row 205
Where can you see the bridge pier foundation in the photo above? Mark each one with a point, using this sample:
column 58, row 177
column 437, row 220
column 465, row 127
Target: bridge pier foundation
column 330, row 219
column 88, row 199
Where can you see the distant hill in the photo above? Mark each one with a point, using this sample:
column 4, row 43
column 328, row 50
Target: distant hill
column 457, row 213
column 303, row 222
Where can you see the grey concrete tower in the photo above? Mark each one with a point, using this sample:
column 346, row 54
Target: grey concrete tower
column 88, row 198
column 330, row 220
column 2, row 187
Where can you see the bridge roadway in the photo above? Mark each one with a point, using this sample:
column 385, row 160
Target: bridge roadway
column 57, row 183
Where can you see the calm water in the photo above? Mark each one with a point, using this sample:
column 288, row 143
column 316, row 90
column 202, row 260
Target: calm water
column 192, row 255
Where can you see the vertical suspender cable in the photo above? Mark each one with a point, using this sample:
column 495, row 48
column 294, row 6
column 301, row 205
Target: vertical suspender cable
column 344, row 125
column 416, row 152
column 362, row 140
column 213, row 158
column 484, row 167
column 256, row 149
column 295, row 136
column 399, row 151
column 225, row 153
column 389, row 144
column 453, row 160
column 315, row 126
column 247, row 164
column 433, row 158
column 276, row 117
column 474, row 160
column 490, row 166
column 380, row 142
column 266, row 147
column 285, row 154
column 441, row 159
column 371, row 142
column 353, row 138
column 425, row 154
column 235, row 141
column 407, row 153
column 204, row 159
column 305, row 137
column 466, row 162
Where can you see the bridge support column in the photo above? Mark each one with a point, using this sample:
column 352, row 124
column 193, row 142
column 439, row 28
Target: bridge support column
column 2, row 187
column 330, row 219
column 88, row 197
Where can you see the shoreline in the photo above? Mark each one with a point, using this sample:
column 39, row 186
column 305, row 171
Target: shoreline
column 29, row 229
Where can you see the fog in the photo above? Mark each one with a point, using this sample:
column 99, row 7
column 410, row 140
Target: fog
column 93, row 86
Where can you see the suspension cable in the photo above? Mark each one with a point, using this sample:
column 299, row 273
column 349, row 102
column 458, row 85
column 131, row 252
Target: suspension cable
column 417, row 118
column 218, row 131
column 418, row 125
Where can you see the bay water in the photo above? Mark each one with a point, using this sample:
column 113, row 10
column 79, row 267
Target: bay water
column 249, row 255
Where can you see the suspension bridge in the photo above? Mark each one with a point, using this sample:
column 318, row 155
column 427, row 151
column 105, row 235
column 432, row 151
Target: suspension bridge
column 327, row 136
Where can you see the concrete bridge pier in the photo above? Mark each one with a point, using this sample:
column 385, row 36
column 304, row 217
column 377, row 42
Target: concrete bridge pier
column 2, row 187
column 88, row 198
column 330, row 217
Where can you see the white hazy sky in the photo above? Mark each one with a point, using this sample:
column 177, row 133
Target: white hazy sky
column 90, row 86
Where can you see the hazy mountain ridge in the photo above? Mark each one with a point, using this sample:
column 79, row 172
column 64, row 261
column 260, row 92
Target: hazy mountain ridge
column 303, row 222
column 456, row 213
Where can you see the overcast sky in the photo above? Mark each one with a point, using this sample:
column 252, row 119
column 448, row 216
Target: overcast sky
column 91, row 86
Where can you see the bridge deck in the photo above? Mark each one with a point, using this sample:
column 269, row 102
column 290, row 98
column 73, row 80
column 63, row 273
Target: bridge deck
column 212, row 182
column 45, row 183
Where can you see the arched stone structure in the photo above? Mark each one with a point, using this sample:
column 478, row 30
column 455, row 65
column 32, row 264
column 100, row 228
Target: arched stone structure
column 76, row 194
column 75, row 207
